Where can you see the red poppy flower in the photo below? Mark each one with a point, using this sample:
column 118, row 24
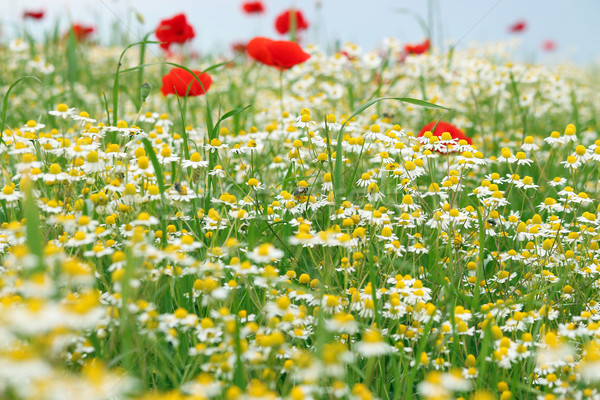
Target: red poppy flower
column 253, row 7
column 445, row 127
column 174, row 30
column 178, row 80
column 418, row 48
column 518, row 26
column 284, row 21
column 281, row 54
column 82, row 32
column 549, row 45
column 33, row 14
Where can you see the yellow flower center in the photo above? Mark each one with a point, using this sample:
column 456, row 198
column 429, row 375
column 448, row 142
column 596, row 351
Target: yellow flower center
column 92, row 157
column 79, row 236
column 143, row 162
column 165, row 152
column 195, row 157
column 55, row 169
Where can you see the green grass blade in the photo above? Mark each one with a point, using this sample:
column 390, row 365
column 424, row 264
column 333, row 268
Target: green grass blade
column 116, row 80
column 32, row 227
column 5, row 102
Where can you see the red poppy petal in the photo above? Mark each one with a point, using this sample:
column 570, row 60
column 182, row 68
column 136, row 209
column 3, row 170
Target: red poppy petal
column 287, row 54
column 178, row 80
column 257, row 49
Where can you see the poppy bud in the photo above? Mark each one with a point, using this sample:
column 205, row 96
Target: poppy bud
column 145, row 91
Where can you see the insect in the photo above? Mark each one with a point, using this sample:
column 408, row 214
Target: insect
column 180, row 189
column 301, row 191
column 388, row 115
column 492, row 222
column 120, row 176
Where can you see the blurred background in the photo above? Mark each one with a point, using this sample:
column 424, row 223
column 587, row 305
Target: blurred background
column 549, row 31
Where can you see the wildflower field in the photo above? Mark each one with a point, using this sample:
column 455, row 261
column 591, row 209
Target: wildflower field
column 291, row 223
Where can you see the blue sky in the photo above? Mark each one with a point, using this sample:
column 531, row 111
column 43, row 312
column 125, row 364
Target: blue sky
column 572, row 24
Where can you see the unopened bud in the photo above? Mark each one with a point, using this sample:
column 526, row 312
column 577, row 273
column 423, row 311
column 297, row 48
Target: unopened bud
column 145, row 91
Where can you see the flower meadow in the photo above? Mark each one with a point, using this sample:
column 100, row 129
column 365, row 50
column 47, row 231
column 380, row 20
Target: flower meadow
column 291, row 223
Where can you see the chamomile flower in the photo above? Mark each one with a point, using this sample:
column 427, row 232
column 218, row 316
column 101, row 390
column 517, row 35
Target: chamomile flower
column 10, row 194
column 55, row 174
column 255, row 184
column 529, row 144
column 145, row 219
column 330, row 123
column 582, row 198
column 32, row 126
column 418, row 248
column 373, row 193
column 555, row 139
column 166, row 156
column 373, row 345
column 557, row 181
column 570, row 133
column 526, row 183
column 304, row 120
column 374, row 133
column 142, row 166
column 571, row 162
column 63, row 111
column 215, row 144
column 265, row 253
column 93, row 163
column 218, row 171
column 521, row 159
column 80, row 238
column 408, row 204
column 84, row 117
column 581, row 154
column 365, row 180
column 507, row 156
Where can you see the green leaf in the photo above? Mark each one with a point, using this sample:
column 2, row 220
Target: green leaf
column 228, row 114
column 238, row 376
column 71, row 54
column 233, row 112
column 156, row 165
column 32, row 227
